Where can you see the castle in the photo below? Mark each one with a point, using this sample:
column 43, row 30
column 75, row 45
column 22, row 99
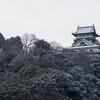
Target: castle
column 86, row 40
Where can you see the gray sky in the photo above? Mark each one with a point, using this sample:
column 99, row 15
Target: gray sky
column 52, row 20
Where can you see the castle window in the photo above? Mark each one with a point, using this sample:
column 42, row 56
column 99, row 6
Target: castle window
column 91, row 50
column 82, row 44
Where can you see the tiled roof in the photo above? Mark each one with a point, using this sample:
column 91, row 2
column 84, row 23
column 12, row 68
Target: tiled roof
column 86, row 29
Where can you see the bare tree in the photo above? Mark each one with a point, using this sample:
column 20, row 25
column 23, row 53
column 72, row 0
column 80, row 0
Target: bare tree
column 56, row 46
column 28, row 41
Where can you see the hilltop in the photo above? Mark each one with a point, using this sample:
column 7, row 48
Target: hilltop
column 33, row 69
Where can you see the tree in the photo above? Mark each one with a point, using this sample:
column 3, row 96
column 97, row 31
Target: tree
column 42, row 44
column 2, row 41
column 13, row 45
column 41, row 48
column 81, row 58
column 28, row 41
column 56, row 46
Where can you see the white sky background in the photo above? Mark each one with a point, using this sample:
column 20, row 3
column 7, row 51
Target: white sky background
column 51, row 20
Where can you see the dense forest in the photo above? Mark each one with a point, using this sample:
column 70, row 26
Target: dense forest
column 33, row 69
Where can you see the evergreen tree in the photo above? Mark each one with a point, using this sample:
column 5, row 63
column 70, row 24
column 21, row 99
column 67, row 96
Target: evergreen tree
column 2, row 40
column 13, row 45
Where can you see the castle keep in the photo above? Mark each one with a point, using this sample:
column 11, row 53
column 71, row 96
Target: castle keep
column 86, row 39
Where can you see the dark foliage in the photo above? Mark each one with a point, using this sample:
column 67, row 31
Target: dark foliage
column 42, row 44
column 41, row 48
column 2, row 41
column 43, row 73
column 13, row 45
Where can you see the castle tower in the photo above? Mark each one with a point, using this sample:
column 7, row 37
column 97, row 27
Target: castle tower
column 86, row 39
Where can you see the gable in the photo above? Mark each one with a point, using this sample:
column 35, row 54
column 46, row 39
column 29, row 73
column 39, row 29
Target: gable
column 83, row 42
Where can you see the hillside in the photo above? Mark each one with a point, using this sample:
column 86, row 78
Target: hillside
column 43, row 72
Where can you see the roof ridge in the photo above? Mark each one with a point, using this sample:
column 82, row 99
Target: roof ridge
column 77, row 42
column 85, row 26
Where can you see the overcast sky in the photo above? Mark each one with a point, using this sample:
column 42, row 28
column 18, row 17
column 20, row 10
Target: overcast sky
column 52, row 20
